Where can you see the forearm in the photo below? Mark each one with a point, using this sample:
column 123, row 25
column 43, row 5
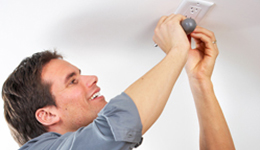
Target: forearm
column 214, row 131
column 151, row 92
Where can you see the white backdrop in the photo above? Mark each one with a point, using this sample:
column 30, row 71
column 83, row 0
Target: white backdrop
column 113, row 40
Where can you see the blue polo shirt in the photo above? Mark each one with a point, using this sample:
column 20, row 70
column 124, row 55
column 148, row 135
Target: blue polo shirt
column 117, row 127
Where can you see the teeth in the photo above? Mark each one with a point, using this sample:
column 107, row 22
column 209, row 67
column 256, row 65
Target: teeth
column 95, row 96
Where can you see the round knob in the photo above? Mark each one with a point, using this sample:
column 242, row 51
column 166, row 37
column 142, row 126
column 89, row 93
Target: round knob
column 188, row 25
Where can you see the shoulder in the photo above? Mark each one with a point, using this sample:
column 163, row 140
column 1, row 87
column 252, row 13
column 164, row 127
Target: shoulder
column 41, row 142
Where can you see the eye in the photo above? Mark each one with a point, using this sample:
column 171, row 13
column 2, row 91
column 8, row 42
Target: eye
column 74, row 81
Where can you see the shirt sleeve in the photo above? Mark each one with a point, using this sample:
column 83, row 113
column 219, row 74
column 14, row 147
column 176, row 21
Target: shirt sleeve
column 122, row 119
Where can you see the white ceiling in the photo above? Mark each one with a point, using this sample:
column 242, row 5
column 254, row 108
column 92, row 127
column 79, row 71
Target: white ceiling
column 113, row 39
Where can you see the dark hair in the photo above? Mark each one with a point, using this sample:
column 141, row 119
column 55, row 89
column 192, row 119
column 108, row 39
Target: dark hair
column 23, row 93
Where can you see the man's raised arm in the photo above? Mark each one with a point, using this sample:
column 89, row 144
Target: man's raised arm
column 214, row 131
column 151, row 92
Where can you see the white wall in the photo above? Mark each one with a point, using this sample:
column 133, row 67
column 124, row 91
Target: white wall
column 113, row 40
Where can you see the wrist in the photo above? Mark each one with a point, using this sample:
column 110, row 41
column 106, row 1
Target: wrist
column 200, row 85
column 180, row 53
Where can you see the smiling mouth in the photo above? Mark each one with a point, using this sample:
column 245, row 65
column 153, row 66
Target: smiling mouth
column 95, row 96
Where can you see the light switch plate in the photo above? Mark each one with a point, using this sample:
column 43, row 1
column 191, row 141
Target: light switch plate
column 195, row 9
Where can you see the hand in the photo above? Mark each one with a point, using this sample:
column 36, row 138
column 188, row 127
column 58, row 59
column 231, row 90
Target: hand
column 170, row 35
column 201, row 60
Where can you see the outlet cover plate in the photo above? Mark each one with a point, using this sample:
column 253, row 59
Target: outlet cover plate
column 195, row 9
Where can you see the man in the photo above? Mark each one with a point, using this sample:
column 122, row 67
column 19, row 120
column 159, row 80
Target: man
column 62, row 109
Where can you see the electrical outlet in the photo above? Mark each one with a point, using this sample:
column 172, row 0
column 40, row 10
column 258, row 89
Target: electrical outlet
column 195, row 9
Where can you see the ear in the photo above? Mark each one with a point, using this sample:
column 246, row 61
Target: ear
column 47, row 115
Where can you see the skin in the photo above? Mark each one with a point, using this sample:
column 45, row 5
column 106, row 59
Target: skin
column 151, row 92
column 214, row 131
column 74, row 107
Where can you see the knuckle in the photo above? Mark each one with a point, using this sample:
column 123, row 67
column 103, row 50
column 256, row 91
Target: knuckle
column 156, row 30
column 211, row 33
column 172, row 15
column 162, row 26
column 163, row 17
column 217, row 52
column 179, row 15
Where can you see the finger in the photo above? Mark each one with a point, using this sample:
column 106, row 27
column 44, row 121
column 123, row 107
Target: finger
column 175, row 17
column 162, row 19
column 180, row 17
column 165, row 20
column 203, row 38
column 170, row 17
column 199, row 44
column 208, row 33
column 209, row 49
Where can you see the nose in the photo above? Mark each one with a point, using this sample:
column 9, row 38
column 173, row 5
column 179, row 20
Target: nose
column 90, row 80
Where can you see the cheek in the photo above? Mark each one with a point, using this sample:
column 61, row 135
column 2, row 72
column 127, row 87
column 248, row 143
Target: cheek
column 75, row 94
column 77, row 114
column 72, row 101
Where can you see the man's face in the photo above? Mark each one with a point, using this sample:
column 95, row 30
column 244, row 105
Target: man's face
column 73, row 94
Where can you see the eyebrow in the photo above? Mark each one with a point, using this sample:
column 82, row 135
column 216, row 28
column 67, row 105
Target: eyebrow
column 70, row 75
